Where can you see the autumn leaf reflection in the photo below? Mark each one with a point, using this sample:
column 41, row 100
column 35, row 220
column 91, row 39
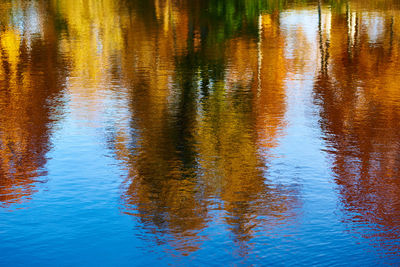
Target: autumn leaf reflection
column 30, row 83
column 188, row 110
column 359, row 96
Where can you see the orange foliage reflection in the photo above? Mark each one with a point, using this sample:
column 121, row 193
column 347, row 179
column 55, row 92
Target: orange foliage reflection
column 359, row 95
column 29, row 84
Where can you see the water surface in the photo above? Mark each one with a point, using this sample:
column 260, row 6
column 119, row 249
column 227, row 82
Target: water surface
column 201, row 133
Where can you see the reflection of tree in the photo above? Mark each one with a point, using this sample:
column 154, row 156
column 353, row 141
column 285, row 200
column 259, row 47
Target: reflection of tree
column 163, row 192
column 90, row 38
column 197, row 124
column 239, row 120
column 29, row 84
column 359, row 98
column 164, row 188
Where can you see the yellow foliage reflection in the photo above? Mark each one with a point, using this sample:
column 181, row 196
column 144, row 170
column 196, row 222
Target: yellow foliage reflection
column 91, row 43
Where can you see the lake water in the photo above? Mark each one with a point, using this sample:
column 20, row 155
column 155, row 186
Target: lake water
column 199, row 133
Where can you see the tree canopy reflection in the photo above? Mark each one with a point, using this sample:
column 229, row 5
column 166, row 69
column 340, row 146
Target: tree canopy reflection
column 198, row 118
column 358, row 93
column 30, row 84
column 206, row 96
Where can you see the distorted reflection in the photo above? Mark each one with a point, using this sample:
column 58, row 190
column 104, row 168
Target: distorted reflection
column 359, row 94
column 218, row 115
column 198, row 119
column 157, row 147
column 91, row 42
column 30, row 83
